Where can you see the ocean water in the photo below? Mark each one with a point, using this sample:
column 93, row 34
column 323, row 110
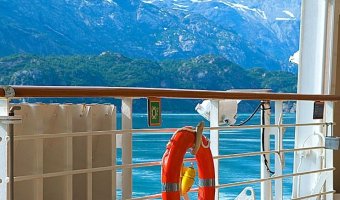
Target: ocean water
column 151, row 146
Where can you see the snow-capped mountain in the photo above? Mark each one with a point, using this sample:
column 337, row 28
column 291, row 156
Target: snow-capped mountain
column 250, row 33
column 271, row 25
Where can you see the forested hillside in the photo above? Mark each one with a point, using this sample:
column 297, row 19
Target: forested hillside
column 110, row 69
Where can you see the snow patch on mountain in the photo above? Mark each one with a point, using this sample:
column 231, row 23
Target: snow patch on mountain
column 186, row 16
column 180, row 5
column 186, row 44
column 245, row 8
column 170, row 51
column 112, row 16
column 109, row 1
column 290, row 14
column 148, row 1
column 283, row 19
column 200, row 1
column 55, row 31
column 159, row 43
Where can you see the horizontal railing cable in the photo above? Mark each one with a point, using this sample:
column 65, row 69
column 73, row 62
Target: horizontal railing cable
column 314, row 195
column 162, row 130
column 273, row 178
column 154, row 196
column 239, row 155
column 147, row 164
column 63, row 173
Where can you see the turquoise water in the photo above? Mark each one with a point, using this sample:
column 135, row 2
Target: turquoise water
column 150, row 147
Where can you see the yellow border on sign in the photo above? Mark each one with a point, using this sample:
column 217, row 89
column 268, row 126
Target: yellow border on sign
column 158, row 100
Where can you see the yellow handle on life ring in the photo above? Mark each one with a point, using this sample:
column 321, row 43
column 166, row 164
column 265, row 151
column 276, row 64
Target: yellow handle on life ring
column 188, row 179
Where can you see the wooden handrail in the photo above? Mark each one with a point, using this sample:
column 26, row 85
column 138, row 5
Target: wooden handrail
column 70, row 91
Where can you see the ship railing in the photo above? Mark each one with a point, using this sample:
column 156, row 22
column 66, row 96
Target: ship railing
column 42, row 182
column 157, row 163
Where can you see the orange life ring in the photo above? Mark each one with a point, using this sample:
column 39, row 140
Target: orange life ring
column 172, row 161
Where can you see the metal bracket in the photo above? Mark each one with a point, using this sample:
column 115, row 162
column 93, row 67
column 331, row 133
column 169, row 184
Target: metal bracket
column 9, row 91
column 332, row 143
column 10, row 119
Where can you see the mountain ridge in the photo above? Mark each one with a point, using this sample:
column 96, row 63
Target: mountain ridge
column 147, row 30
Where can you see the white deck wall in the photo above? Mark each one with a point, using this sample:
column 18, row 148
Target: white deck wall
column 41, row 157
column 315, row 77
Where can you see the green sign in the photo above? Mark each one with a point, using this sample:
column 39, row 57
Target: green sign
column 154, row 112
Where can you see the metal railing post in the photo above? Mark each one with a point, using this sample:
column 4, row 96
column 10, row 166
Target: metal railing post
column 126, row 148
column 214, row 140
column 69, row 152
column 266, row 186
column 278, row 148
column 114, row 154
column 329, row 114
column 4, row 110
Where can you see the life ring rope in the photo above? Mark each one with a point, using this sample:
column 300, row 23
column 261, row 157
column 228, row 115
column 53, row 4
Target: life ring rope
column 198, row 138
